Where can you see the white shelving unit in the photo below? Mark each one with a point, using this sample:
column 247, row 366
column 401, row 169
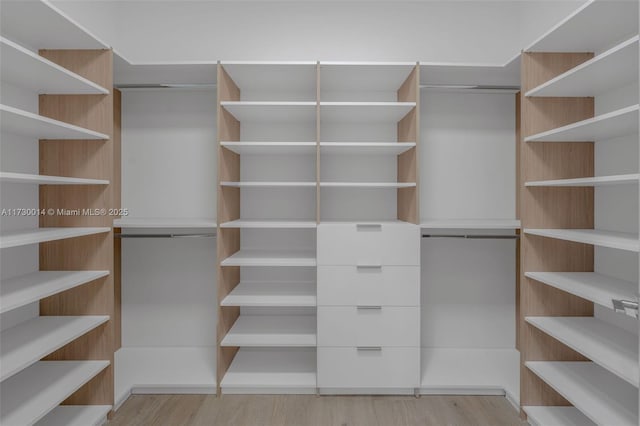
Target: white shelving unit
column 470, row 224
column 272, row 294
column 617, row 240
column 253, row 257
column 363, row 76
column 269, row 184
column 589, row 181
column 10, row 177
column 365, row 148
column 381, row 185
column 76, row 415
column 26, row 123
column 151, row 370
column 598, row 394
column 31, row 340
column 271, row 148
column 359, row 112
column 292, row 76
column 609, row 346
column 616, row 67
column 267, row 111
column 24, row 68
column 29, row 395
column 606, row 126
column 592, row 286
column 552, row 415
column 163, row 222
column 269, row 224
column 29, row 288
column 271, row 370
column 41, row 235
column 272, row 331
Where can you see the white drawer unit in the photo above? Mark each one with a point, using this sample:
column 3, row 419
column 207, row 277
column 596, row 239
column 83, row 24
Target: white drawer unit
column 368, row 367
column 368, row 285
column 368, row 244
column 368, row 326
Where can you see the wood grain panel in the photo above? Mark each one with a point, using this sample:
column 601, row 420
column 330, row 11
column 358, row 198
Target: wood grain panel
column 318, row 80
column 117, row 290
column 92, row 159
column 116, row 186
column 550, row 208
column 407, row 167
column 228, row 240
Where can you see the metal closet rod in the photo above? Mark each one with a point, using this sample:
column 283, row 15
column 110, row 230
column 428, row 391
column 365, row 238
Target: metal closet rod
column 473, row 237
column 165, row 235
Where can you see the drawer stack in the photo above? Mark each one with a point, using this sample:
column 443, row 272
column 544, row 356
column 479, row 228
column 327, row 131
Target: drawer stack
column 368, row 306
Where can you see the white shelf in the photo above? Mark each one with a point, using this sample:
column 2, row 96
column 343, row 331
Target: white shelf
column 269, row 184
column 607, row 345
column 269, row 223
column 76, row 415
column 365, row 148
column 606, row 126
column 25, row 123
column 271, row 258
column 272, row 331
column 47, row 28
column 617, row 67
column 589, row 181
column 271, row 370
column 29, row 395
column 470, row 224
column 616, row 240
column 29, row 288
column 556, row 416
column 164, row 222
column 9, row 177
column 471, row 371
column 364, row 112
column 24, row 68
column 367, row 184
column 274, row 294
column 594, row 287
column 173, row 370
column 473, row 77
column 263, row 111
column 31, row 340
column 41, row 235
column 601, row 396
column 273, row 76
column 267, row 148
column 364, row 76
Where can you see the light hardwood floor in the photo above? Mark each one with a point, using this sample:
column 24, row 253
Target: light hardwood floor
column 310, row 410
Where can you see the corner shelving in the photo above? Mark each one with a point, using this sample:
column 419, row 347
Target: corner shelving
column 272, row 331
column 609, row 346
column 29, row 341
column 10, row 177
column 29, row 288
column 359, row 112
column 41, row 235
column 276, row 294
column 24, row 68
column 556, row 415
column 589, row 181
column 76, row 415
column 616, row 67
column 271, row 370
column 267, row 148
column 611, row 239
column 269, row 224
column 601, row 396
column 591, row 286
column 365, row 148
column 249, row 257
column 267, row 111
column 606, row 126
column 29, row 395
column 26, row 123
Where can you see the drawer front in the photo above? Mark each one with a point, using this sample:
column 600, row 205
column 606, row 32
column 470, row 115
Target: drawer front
column 382, row 285
column 368, row 367
column 368, row 244
column 368, row 326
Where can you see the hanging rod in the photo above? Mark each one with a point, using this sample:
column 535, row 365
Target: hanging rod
column 473, row 237
column 167, row 86
column 165, row 235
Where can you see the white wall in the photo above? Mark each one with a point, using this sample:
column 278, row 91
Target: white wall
column 441, row 31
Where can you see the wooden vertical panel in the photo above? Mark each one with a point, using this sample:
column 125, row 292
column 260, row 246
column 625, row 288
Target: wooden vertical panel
column 517, row 141
column 228, row 240
column 117, row 290
column 92, row 159
column 409, row 131
column 117, row 203
column 318, row 80
column 550, row 208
